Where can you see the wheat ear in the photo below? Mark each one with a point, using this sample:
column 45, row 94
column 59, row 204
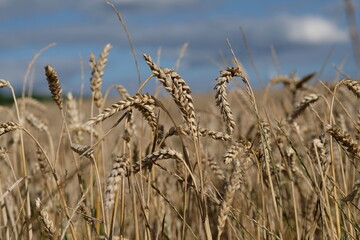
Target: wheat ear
column 45, row 219
column 36, row 122
column 234, row 150
column 3, row 83
column 97, row 73
column 143, row 102
column 178, row 89
column 203, row 132
column 119, row 170
column 233, row 185
column 300, row 107
column 221, row 96
column 8, row 127
column 353, row 86
column 345, row 140
column 72, row 109
column 54, row 85
column 150, row 159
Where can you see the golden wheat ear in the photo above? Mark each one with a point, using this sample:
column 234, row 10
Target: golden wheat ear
column 54, row 85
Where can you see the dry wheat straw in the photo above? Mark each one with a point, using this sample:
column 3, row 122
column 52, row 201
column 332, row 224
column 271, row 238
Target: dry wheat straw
column 143, row 102
column 178, row 89
column 54, row 85
column 300, row 107
column 97, row 73
column 221, row 96
column 48, row 224
column 119, row 170
column 8, row 127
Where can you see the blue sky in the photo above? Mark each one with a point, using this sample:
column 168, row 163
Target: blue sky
column 302, row 32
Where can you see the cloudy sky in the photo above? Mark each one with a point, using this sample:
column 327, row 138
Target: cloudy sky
column 303, row 33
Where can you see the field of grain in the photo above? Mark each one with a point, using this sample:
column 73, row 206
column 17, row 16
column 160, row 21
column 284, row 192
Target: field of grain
column 278, row 163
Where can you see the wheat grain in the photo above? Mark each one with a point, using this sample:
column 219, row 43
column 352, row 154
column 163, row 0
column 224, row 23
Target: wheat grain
column 353, row 86
column 8, row 127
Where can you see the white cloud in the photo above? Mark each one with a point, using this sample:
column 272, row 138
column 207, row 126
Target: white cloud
column 314, row 30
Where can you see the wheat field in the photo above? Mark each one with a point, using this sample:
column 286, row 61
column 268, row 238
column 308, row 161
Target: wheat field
column 275, row 163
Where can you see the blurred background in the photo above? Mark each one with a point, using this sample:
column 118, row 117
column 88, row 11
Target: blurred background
column 305, row 36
